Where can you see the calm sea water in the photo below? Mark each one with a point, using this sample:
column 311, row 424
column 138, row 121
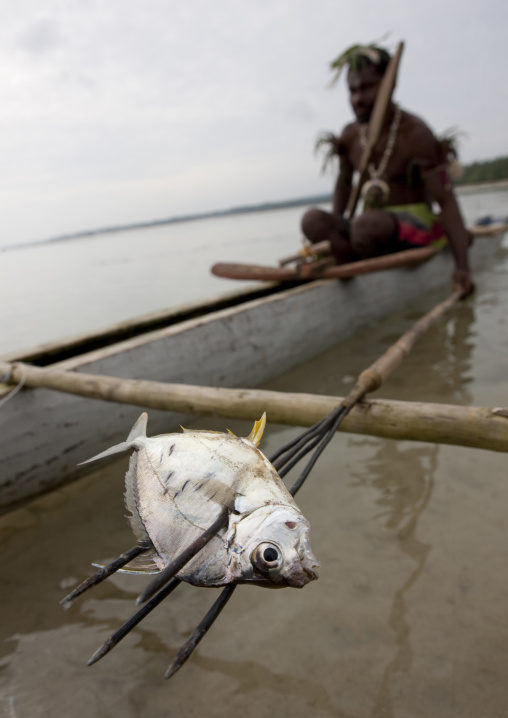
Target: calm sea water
column 53, row 291
column 407, row 619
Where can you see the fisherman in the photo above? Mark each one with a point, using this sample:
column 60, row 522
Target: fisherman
column 407, row 171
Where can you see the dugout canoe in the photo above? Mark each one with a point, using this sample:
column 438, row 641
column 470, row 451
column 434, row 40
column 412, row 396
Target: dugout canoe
column 237, row 340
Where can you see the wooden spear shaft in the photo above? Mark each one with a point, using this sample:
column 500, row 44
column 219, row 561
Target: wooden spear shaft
column 477, row 427
column 377, row 119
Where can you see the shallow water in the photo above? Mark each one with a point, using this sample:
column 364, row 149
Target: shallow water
column 59, row 289
column 408, row 617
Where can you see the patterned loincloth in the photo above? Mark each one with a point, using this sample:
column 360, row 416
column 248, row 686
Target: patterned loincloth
column 417, row 225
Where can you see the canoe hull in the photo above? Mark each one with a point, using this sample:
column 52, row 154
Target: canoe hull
column 45, row 434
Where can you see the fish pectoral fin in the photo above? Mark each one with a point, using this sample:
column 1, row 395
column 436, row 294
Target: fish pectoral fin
column 257, row 431
column 220, row 493
column 143, row 564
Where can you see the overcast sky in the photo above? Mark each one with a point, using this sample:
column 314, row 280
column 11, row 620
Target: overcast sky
column 118, row 111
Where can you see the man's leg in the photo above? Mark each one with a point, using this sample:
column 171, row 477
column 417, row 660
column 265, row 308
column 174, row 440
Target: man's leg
column 318, row 225
column 373, row 233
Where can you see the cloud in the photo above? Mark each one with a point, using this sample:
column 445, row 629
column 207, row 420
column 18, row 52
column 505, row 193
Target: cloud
column 42, row 37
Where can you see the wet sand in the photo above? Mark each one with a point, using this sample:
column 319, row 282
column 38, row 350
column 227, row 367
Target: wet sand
column 408, row 617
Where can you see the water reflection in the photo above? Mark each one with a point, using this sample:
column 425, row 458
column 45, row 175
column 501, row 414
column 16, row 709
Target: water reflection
column 251, row 677
column 457, row 338
column 403, row 478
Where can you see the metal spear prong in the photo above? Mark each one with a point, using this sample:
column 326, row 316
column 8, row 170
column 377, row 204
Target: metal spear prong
column 326, row 436
column 160, row 588
column 286, row 452
column 104, row 572
column 207, row 622
column 179, row 561
column 133, row 621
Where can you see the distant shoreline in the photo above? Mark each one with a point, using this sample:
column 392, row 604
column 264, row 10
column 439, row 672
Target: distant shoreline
column 243, row 209
column 485, row 186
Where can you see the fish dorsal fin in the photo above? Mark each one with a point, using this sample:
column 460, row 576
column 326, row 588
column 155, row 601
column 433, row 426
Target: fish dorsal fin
column 139, row 428
column 201, row 431
column 257, row 431
column 231, row 433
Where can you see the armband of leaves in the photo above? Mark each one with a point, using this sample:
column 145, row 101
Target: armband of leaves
column 448, row 143
column 332, row 147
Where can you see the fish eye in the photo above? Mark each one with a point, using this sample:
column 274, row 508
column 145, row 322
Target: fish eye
column 266, row 557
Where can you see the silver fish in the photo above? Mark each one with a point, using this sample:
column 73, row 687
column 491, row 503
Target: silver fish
column 177, row 485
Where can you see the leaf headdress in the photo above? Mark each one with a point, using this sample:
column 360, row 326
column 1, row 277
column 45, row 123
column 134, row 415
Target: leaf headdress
column 352, row 55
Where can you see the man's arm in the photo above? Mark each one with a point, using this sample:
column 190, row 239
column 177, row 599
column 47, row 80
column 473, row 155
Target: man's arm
column 440, row 189
column 344, row 181
column 438, row 185
column 342, row 186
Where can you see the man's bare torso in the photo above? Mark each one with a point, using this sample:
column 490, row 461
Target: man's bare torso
column 415, row 151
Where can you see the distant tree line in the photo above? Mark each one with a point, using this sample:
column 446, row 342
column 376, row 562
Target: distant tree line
column 488, row 171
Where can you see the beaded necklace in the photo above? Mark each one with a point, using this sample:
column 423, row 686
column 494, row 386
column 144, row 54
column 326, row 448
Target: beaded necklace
column 375, row 173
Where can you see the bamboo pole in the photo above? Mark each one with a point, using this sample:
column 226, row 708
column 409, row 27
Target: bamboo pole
column 477, row 427
column 372, row 378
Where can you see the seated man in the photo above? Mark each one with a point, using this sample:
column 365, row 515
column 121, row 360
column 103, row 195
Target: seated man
column 407, row 170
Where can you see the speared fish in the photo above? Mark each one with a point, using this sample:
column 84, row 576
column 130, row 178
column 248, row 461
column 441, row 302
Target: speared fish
column 207, row 508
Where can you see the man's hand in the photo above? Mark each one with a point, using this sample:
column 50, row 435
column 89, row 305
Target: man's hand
column 462, row 280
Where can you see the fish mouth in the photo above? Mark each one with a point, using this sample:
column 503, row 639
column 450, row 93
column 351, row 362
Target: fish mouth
column 299, row 574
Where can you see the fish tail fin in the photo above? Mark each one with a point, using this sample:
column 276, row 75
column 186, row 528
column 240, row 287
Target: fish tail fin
column 138, row 431
column 118, row 449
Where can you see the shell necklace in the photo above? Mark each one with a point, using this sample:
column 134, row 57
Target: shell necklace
column 375, row 173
